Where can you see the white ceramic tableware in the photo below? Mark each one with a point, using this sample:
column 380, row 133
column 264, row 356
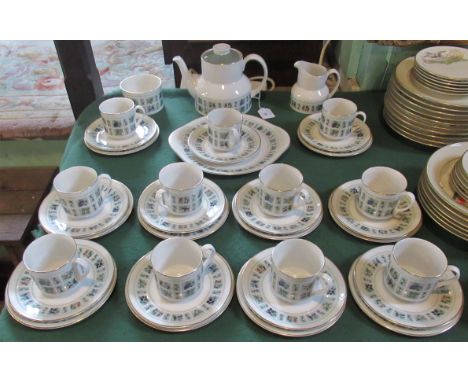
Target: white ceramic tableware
column 179, row 265
column 297, row 269
column 224, row 128
column 182, row 189
column 382, row 194
column 79, row 191
column 221, row 82
column 416, row 268
column 54, row 264
column 338, row 115
column 145, row 90
column 120, row 117
column 311, row 90
column 281, row 189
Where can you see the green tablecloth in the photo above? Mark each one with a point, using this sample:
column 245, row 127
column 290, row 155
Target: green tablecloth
column 115, row 322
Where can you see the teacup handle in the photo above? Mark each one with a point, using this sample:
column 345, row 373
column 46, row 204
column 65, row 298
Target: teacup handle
column 208, row 252
column 81, row 268
column 410, row 198
column 363, row 115
column 301, row 198
column 105, row 181
column 234, row 137
column 327, row 280
column 163, row 209
column 451, row 273
column 139, row 115
column 338, row 80
column 256, row 57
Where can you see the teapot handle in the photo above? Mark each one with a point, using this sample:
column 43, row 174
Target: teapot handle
column 256, row 57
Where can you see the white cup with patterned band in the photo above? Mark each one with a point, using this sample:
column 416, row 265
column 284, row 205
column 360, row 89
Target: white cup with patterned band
column 338, row 115
column 224, row 128
column 416, row 268
column 54, row 264
column 297, row 267
column 281, row 189
column 181, row 191
column 382, row 194
column 79, row 191
column 145, row 90
column 179, row 265
column 120, row 117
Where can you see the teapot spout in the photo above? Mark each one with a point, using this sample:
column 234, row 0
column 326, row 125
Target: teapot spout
column 187, row 81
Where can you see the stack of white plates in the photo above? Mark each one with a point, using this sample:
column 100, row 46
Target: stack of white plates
column 422, row 114
column 436, row 195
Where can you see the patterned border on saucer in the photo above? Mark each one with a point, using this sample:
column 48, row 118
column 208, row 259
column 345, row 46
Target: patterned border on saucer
column 249, row 145
column 195, row 235
column 214, row 200
column 378, row 231
column 122, row 203
column 311, row 213
column 24, row 305
column 275, row 141
column 221, row 285
column 315, row 312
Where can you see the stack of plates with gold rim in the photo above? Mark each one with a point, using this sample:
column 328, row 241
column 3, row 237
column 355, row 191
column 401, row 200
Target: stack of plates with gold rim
column 421, row 113
column 436, row 194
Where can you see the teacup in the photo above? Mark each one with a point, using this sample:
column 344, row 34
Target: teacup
column 281, row 189
column 145, row 90
column 224, row 128
column 382, row 194
column 79, row 191
column 297, row 267
column 181, row 190
column 120, row 117
column 338, row 115
column 54, row 264
column 179, row 265
column 416, row 268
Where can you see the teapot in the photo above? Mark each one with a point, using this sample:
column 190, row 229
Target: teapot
column 311, row 90
column 222, row 82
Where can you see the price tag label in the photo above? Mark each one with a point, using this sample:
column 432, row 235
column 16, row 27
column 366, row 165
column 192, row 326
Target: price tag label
column 265, row 113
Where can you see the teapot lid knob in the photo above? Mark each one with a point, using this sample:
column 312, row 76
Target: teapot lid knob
column 221, row 49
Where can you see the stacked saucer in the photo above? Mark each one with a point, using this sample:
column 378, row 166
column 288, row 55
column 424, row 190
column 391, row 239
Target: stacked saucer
column 356, row 143
column 189, row 311
column 443, row 68
column 97, row 140
column 300, row 210
column 422, row 114
column 117, row 204
column 30, row 307
column 448, row 208
column 291, row 319
column 204, row 213
column 440, row 312
column 260, row 144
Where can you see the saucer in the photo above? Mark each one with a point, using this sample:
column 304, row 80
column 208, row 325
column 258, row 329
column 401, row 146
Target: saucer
column 29, row 306
column 149, row 307
column 194, row 235
column 117, row 207
column 211, row 209
column 245, row 203
column 344, row 212
column 97, row 140
column 274, row 142
column 301, row 319
column 201, row 147
column 358, row 142
column 436, row 315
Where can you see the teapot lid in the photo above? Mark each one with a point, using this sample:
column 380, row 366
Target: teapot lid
column 222, row 54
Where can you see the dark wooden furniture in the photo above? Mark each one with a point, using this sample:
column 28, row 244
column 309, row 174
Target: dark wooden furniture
column 22, row 190
column 279, row 55
column 81, row 75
